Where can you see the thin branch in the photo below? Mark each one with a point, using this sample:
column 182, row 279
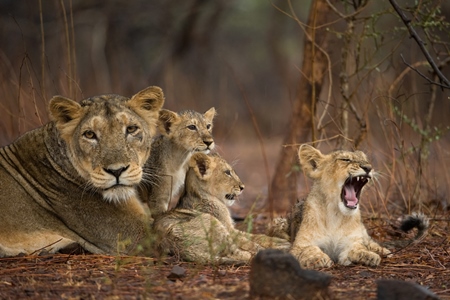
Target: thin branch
column 422, row 75
column 422, row 47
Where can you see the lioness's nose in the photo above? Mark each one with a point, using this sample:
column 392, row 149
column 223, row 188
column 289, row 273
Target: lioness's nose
column 242, row 187
column 116, row 172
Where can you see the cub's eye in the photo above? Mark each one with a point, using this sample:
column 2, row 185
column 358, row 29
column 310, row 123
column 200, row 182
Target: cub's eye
column 89, row 135
column 192, row 127
column 208, row 126
column 132, row 129
column 228, row 172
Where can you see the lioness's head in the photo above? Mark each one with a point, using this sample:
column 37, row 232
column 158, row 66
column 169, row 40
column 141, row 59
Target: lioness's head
column 109, row 138
column 189, row 129
column 212, row 175
column 341, row 175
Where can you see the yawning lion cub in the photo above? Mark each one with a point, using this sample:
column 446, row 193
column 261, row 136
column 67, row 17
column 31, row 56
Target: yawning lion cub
column 326, row 228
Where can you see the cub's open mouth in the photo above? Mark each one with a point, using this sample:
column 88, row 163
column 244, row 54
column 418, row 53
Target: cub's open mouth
column 352, row 190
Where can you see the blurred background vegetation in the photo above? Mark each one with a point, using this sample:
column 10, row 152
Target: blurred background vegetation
column 245, row 58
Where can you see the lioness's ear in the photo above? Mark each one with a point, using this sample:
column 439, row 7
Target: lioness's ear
column 202, row 165
column 210, row 114
column 166, row 119
column 147, row 103
column 310, row 159
column 64, row 111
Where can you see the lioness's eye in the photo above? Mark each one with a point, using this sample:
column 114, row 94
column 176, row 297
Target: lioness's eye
column 89, row 135
column 228, row 172
column 208, row 126
column 192, row 127
column 345, row 159
column 132, row 129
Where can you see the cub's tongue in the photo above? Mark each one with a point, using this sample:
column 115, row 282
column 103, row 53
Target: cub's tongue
column 350, row 196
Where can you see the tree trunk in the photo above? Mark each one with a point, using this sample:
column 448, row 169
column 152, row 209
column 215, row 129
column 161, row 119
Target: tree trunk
column 283, row 190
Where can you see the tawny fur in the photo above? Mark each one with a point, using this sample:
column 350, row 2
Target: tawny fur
column 326, row 228
column 74, row 179
column 182, row 134
column 200, row 228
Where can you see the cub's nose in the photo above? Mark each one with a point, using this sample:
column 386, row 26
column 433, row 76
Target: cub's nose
column 367, row 168
column 241, row 187
column 208, row 143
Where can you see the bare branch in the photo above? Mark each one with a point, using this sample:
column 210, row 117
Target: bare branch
column 422, row 47
column 422, row 75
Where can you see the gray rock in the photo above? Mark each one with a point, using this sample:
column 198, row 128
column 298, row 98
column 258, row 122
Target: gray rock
column 276, row 274
column 402, row 290
column 177, row 272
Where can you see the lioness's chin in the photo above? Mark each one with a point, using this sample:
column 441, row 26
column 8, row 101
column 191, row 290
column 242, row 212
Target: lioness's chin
column 119, row 194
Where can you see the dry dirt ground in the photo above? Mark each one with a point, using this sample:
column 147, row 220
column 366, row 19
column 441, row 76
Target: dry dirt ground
column 87, row 276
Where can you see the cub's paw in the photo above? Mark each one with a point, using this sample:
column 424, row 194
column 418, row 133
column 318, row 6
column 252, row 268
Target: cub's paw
column 278, row 228
column 271, row 242
column 241, row 255
column 385, row 252
column 316, row 260
column 364, row 257
column 280, row 244
column 378, row 249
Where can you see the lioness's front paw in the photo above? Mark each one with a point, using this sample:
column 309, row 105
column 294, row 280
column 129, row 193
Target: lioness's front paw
column 365, row 257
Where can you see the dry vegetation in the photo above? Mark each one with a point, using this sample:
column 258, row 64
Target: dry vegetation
column 375, row 96
column 118, row 277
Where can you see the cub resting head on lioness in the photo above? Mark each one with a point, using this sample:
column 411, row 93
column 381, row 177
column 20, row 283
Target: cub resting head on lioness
column 326, row 228
column 182, row 134
column 200, row 228
column 74, row 179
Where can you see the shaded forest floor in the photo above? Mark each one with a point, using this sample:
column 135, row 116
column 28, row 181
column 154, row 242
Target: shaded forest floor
column 63, row 276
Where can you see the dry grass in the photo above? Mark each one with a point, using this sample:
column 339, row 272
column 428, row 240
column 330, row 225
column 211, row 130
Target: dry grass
column 89, row 276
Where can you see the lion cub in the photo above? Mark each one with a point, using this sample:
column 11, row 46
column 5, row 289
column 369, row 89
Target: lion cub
column 327, row 226
column 200, row 228
column 182, row 135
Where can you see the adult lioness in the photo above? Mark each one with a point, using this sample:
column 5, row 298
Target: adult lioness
column 73, row 179
column 327, row 226
column 200, row 228
column 182, row 134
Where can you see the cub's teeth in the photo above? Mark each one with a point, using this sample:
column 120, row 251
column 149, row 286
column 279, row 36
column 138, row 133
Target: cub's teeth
column 357, row 178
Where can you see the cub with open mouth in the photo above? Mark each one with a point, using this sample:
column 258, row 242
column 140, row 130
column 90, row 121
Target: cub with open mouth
column 326, row 228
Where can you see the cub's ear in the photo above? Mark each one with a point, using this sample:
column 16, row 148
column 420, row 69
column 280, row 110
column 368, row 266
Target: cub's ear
column 147, row 103
column 210, row 114
column 166, row 120
column 202, row 164
column 65, row 112
column 310, row 160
